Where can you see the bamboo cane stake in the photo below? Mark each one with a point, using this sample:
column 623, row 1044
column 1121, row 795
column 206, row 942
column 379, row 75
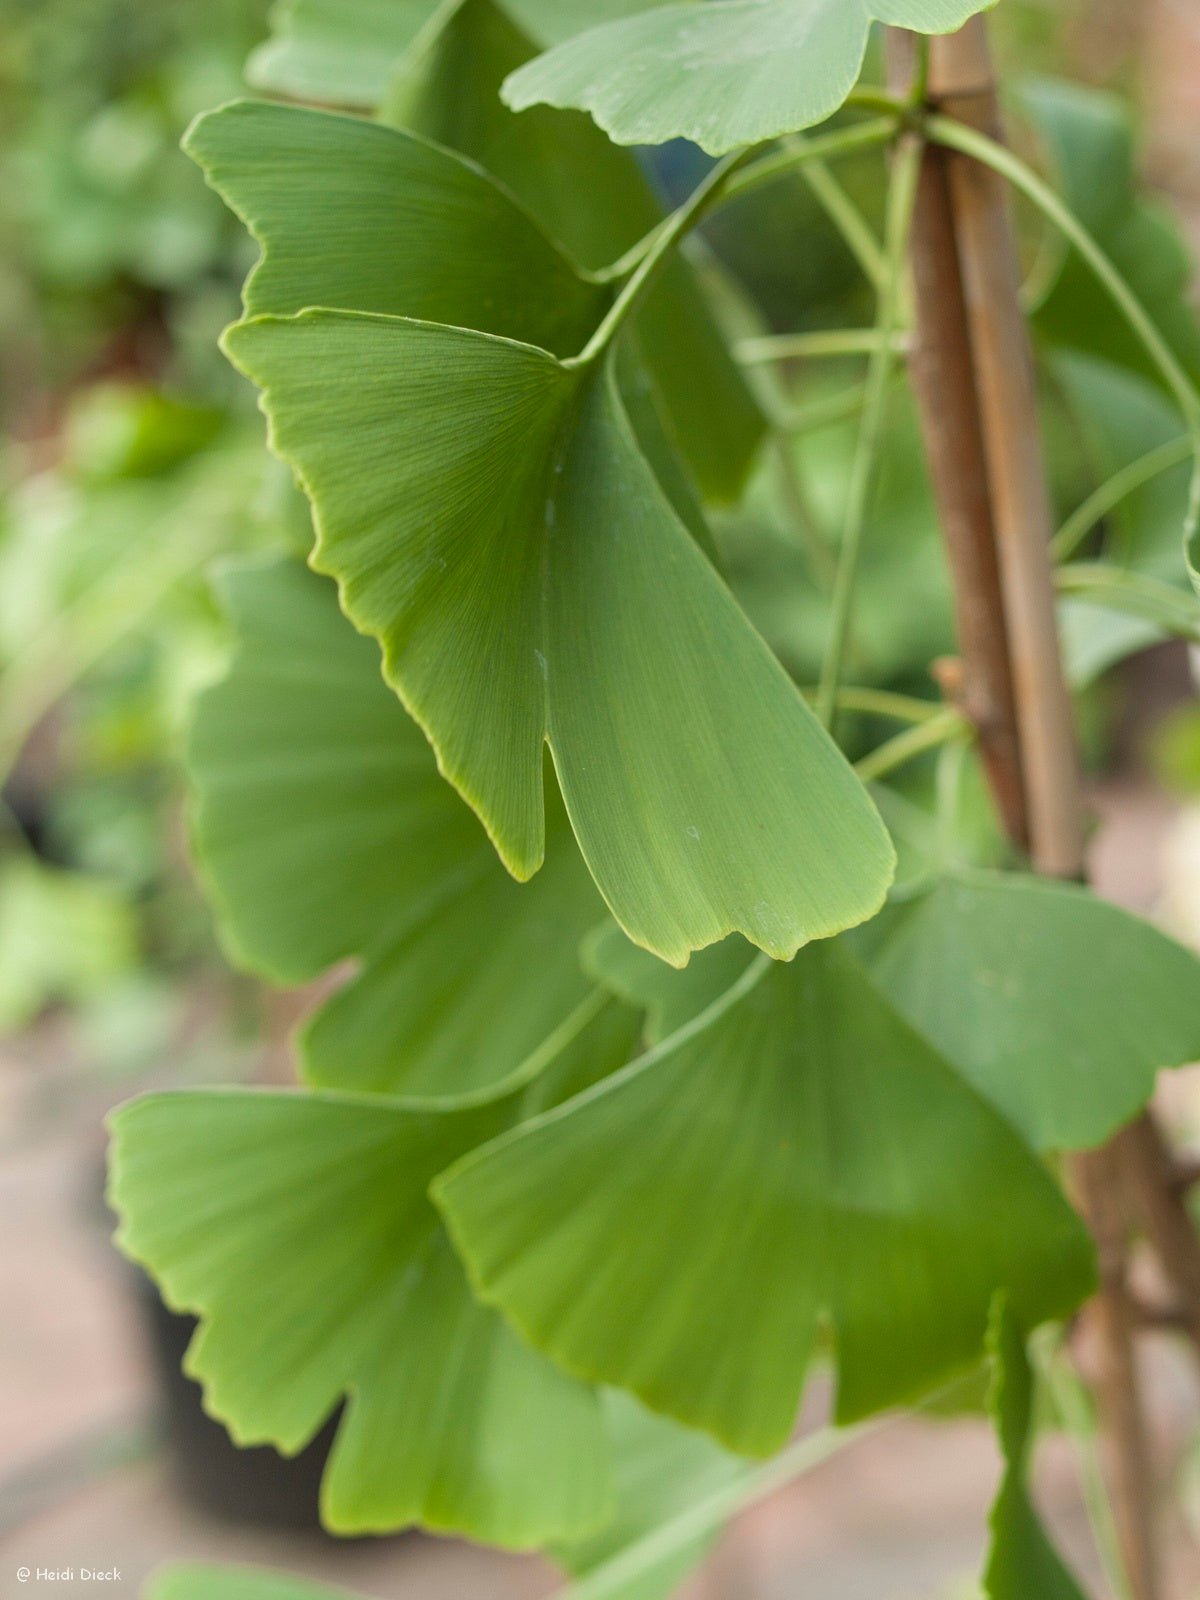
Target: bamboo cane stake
column 973, row 336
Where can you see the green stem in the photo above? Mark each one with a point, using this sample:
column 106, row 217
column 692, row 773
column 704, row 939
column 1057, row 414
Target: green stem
column 866, row 98
column 949, row 785
column 853, row 227
column 967, row 141
column 679, row 223
column 671, row 1538
column 818, row 414
column 913, row 742
column 1175, row 612
column 885, row 703
column 732, row 184
column 819, row 345
column 1110, row 494
column 799, row 152
column 901, row 200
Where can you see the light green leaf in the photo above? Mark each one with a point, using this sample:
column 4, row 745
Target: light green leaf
column 731, row 73
column 550, row 21
column 343, row 52
column 589, row 194
column 367, row 218
column 1057, row 1006
column 1022, row 1562
column 298, row 1228
column 796, row 1155
column 194, row 1582
column 324, row 833
column 493, row 523
column 662, row 1470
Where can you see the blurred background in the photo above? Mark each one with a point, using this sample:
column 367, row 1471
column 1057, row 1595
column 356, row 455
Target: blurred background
column 131, row 461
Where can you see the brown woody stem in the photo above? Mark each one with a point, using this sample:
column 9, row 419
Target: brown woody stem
column 975, row 385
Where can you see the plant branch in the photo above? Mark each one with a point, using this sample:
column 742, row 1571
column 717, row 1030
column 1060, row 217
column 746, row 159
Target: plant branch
column 942, row 371
column 901, row 199
column 661, row 242
column 1117, row 488
column 855, row 230
column 886, row 703
column 1135, row 593
column 798, row 152
column 1036, row 777
column 819, row 345
column 931, row 734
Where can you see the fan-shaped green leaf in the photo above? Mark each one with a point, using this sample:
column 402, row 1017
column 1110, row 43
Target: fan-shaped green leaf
column 590, row 195
column 492, row 521
column 367, row 218
column 325, row 833
column 1057, row 1006
column 299, row 1229
column 346, row 52
column 730, row 73
column 797, row 1153
column 1022, row 1561
column 343, row 52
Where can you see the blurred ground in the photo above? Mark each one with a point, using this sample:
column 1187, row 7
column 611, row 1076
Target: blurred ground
column 84, row 1478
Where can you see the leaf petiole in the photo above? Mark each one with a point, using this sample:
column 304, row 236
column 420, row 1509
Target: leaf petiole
column 617, row 1575
column 1175, row 611
column 1110, row 494
column 819, row 345
column 901, row 200
column 729, row 179
column 913, row 742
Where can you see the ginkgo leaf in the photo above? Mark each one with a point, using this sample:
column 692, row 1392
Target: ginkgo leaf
column 195, row 1582
column 730, row 73
column 444, row 82
column 796, row 1154
column 324, row 833
column 366, row 218
column 298, row 1228
column 346, row 52
column 1057, row 1006
column 492, row 522
column 661, row 1470
column 1021, row 1562
column 343, row 52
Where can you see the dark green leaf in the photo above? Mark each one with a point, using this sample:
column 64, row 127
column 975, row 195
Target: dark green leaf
column 367, row 218
column 797, row 1154
column 325, row 833
column 492, row 521
column 299, row 1229
column 1057, row 1006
